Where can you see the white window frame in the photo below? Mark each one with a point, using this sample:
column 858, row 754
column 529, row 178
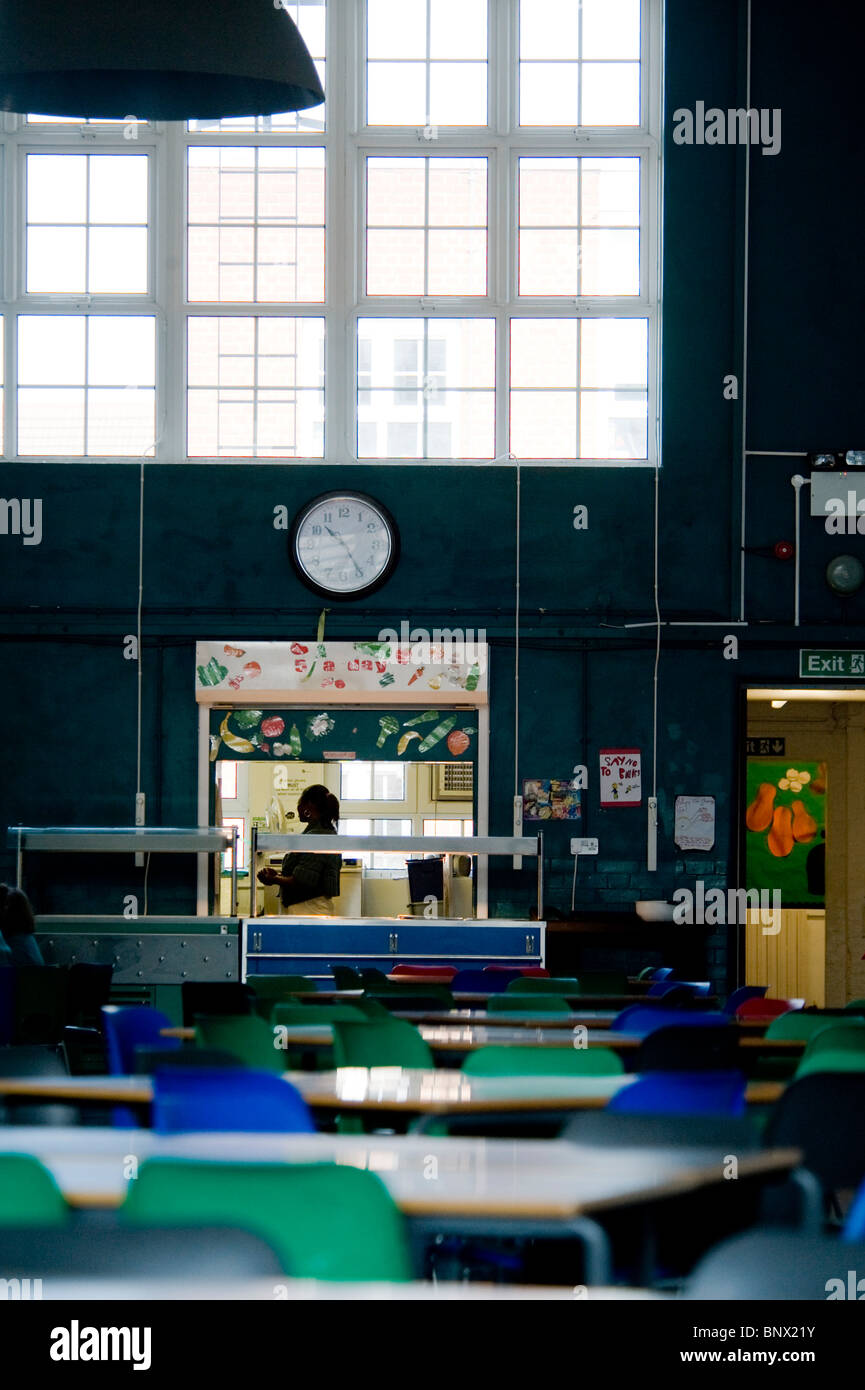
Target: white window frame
column 347, row 141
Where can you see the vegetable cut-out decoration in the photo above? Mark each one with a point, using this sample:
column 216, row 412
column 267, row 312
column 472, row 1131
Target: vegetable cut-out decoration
column 781, row 835
column 759, row 814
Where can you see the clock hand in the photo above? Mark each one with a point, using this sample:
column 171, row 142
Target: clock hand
column 345, row 548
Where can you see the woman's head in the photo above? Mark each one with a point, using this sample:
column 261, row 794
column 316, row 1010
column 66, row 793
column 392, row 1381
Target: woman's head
column 16, row 914
column 318, row 804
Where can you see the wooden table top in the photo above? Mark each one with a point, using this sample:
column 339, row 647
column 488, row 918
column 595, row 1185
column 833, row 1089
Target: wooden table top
column 329, row 1291
column 426, row 1175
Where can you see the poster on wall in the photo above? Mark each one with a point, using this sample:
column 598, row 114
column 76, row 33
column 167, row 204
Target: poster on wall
column 785, row 830
column 620, row 783
column 547, row 798
column 695, row 822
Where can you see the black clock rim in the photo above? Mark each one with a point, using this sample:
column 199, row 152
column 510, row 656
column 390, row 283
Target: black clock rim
column 368, row 589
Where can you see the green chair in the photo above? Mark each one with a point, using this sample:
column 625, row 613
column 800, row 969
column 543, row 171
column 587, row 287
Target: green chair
column 835, row 1049
column 532, row 984
column 856, row 1006
column 508, row 1003
column 543, row 1061
column 247, row 1036
column 797, row 1024
column 603, row 982
column 29, row 1196
column 271, row 988
column 413, row 996
column 379, row 1043
column 646, row 972
column 370, row 1008
column 324, row 1220
column 312, row 1015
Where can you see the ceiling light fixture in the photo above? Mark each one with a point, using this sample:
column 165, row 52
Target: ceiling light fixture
column 158, row 60
column 777, row 704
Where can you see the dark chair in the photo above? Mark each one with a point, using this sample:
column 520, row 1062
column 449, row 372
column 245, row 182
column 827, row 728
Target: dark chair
column 90, row 1249
column 683, row 1047
column 482, row 981
column 84, row 1051
column 346, row 977
column 40, row 1003
column 414, row 998
column 603, row 982
column 611, row 1129
column 777, row 1265
column 88, row 989
column 222, row 997
column 824, row 1116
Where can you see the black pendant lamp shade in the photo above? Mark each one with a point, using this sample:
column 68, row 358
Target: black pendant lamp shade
column 159, row 60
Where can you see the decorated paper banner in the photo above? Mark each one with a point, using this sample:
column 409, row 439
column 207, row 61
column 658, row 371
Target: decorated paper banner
column 314, row 735
column 695, row 822
column 240, row 673
column 545, row 798
column 620, row 777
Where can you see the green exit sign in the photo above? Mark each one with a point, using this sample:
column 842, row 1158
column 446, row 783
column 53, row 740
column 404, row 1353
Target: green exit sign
column 833, row 664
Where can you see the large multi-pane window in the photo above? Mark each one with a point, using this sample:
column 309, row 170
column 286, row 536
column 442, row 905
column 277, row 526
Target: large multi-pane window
column 454, row 259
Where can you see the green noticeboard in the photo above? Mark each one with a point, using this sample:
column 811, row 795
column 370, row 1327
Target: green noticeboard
column 832, row 664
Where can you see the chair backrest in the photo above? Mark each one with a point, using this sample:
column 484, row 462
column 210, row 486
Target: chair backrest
column 29, row 1196
column 481, row 981
column 40, row 1003
column 538, row 971
column 775, row 1265
column 824, row 1116
column 836, row 1048
column 324, row 1220
column 683, row 1047
column 855, row 1006
column 670, row 989
column 112, row 1251
column 603, row 982
column 346, row 977
column 269, row 989
column 88, row 989
column 215, row 997
column 797, row 1024
column 645, row 1019
column 150, row 1060
column 509, row 1003
column 533, row 984
column 126, row 1028
column 543, row 1061
column 426, row 971
column 725, row 1134
column 7, row 1004
column 248, row 1037
column 756, row 1009
column 854, row 1226
column 312, row 1015
column 412, row 997
column 741, row 994
column 683, row 1093
column 379, row 1043
column 662, row 972
column 233, row 1100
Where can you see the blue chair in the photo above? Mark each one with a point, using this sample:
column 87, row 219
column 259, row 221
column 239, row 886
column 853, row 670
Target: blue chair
column 481, row 982
column 741, row 994
column 128, row 1028
column 683, row 1093
column 643, row 1019
column 661, row 972
column 854, row 1226
column 695, row 989
column 234, row 1100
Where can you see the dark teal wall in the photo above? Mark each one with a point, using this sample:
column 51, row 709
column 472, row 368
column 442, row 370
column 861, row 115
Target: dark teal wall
column 216, row 567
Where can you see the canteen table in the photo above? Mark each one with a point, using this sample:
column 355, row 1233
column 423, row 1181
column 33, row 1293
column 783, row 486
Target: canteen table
column 527, row 1187
column 289, row 1290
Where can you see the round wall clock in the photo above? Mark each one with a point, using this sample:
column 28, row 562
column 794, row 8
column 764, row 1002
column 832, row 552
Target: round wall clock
column 344, row 545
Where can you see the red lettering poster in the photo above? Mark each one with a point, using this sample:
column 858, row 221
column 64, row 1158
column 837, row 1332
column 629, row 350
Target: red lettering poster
column 621, row 783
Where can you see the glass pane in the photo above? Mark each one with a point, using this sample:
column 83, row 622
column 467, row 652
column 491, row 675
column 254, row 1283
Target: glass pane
column 457, row 263
column 121, row 422
column 613, row 424
column 458, row 93
column 56, row 188
column 395, row 262
column 549, row 192
column 611, row 28
column 458, row 192
column 544, row 424
column 611, row 94
column 611, row 192
column 549, row 262
column 615, row 352
column 395, row 195
column 549, row 28
column 50, row 422
column 461, row 425
column 543, row 352
column 549, row 94
column 51, row 350
column 396, row 94
column 355, row 785
column 121, row 351
column 118, row 260
column 610, row 262
column 118, row 188
column 469, row 353
column 458, row 28
column 388, row 782
column 396, row 28
column 56, row 260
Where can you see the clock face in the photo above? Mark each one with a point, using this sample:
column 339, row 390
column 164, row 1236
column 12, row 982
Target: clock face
column 344, row 544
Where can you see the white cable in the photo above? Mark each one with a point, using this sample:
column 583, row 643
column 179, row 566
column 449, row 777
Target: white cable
column 138, row 625
column 574, row 884
column 146, row 872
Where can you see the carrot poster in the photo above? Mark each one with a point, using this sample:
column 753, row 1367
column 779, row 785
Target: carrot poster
column 785, row 829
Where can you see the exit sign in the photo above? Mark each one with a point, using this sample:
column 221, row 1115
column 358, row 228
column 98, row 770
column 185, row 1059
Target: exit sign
column 766, row 747
column 833, row 664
